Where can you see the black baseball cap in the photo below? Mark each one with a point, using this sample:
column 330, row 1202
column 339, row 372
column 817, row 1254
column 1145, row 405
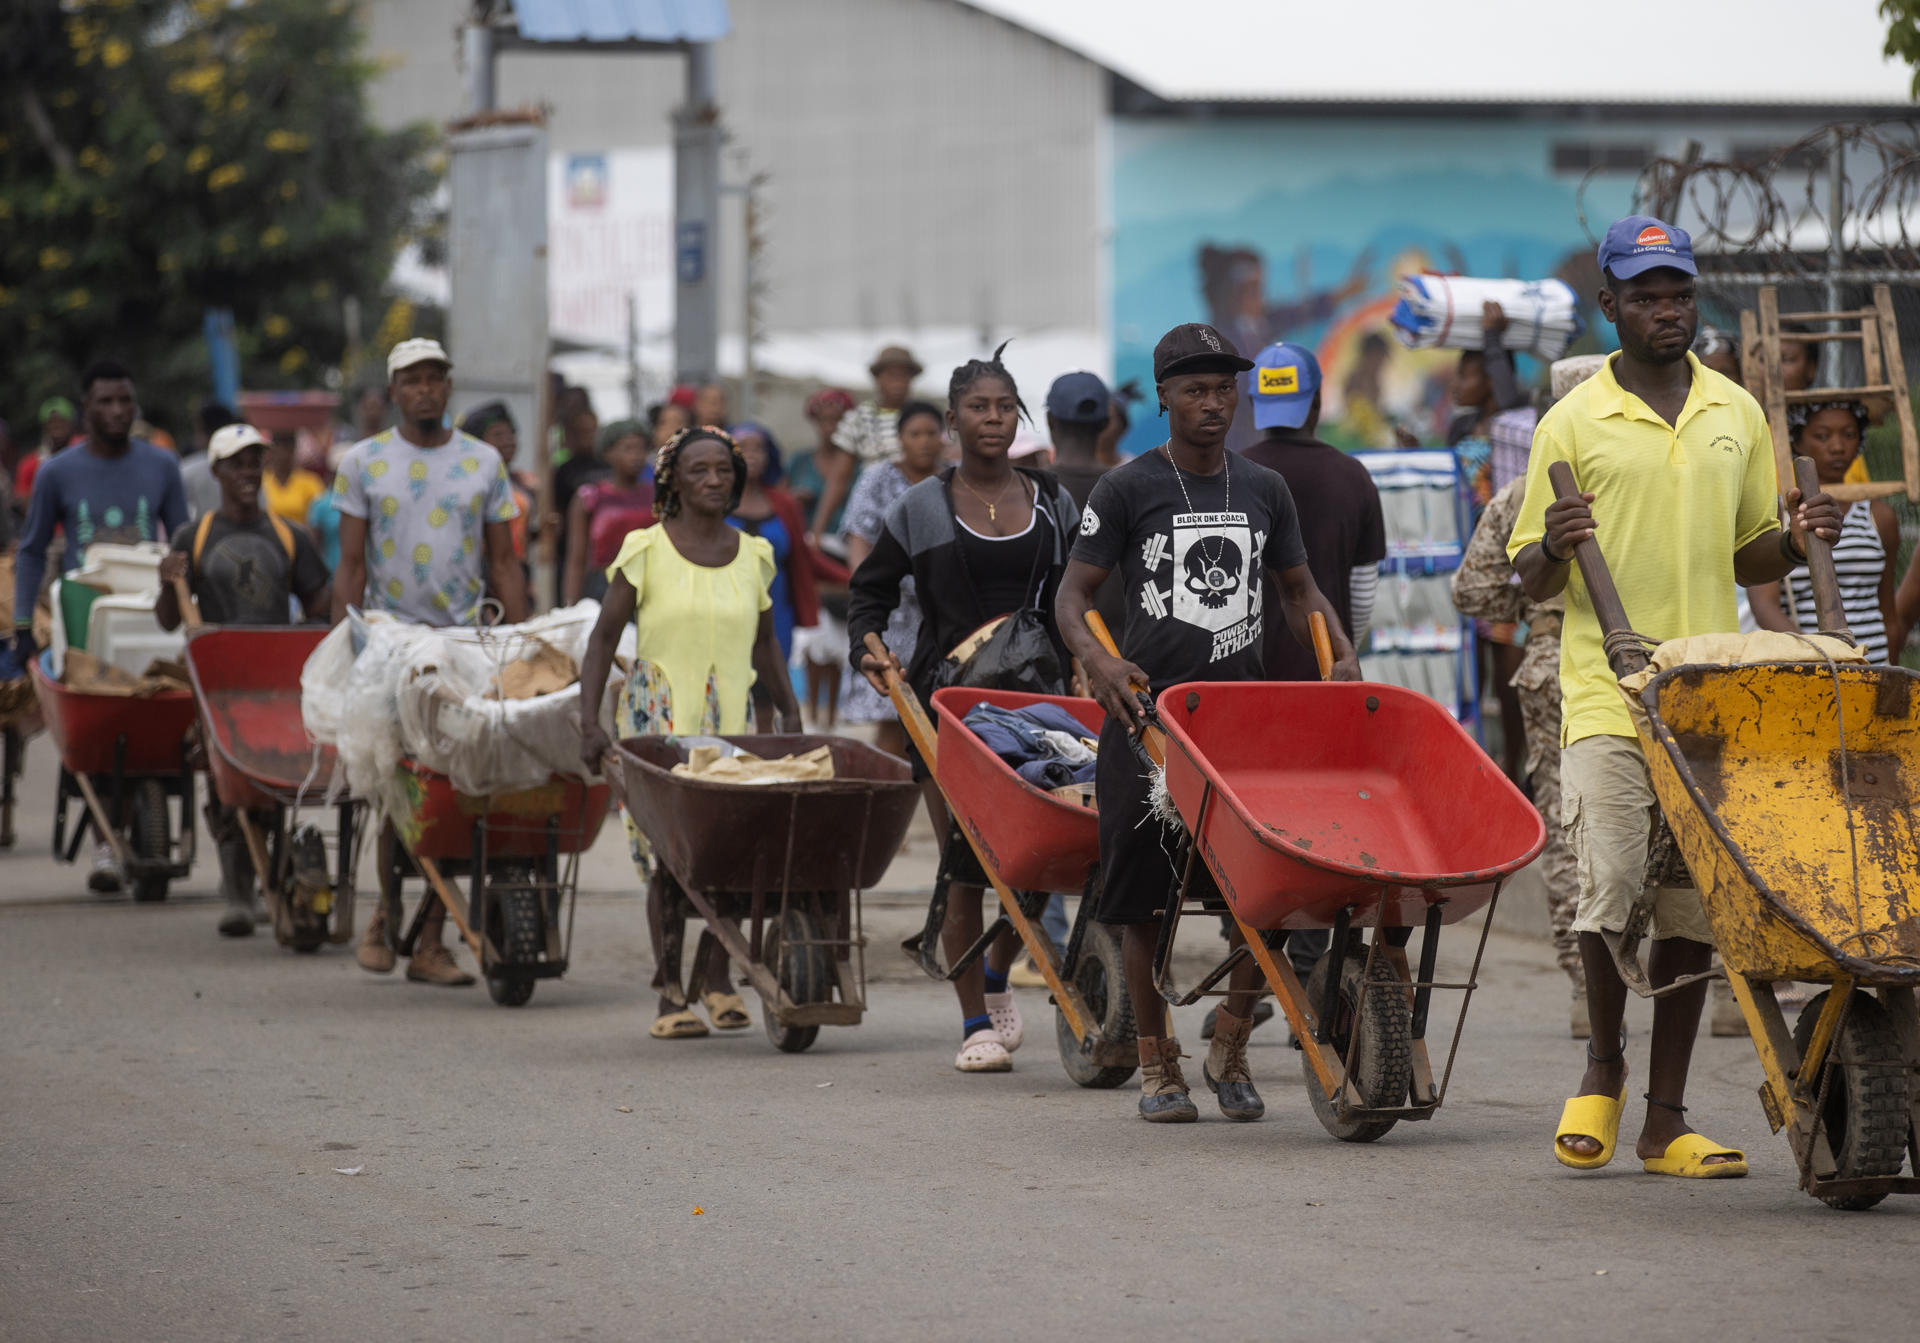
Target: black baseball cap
column 1195, row 347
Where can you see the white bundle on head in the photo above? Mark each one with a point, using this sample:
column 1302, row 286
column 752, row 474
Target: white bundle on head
column 1443, row 312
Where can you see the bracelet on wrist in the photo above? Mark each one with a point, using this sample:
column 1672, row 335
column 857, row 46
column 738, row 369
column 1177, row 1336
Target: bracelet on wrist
column 1786, row 547
column 1547, row 550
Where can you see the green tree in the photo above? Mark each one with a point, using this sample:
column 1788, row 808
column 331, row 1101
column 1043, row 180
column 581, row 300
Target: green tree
column 162, row 157
column 1903, row 35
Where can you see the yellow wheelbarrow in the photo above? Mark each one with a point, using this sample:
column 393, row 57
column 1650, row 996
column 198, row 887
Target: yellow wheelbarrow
column 1790, row 787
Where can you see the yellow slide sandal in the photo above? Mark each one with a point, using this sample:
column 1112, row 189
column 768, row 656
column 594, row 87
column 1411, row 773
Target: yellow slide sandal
column 1686, row 1157
column 681, row 1025
column 1590, row 1117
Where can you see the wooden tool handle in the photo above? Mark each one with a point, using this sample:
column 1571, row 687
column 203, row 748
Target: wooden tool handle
column 1322, row 644
column 913, row 715
column 183, row 596
column 1153, row 738
column 1625, row 659
column 1826, row 583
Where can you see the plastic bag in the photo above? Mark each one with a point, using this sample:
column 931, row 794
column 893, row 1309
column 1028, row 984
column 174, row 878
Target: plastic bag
column 1018, row 655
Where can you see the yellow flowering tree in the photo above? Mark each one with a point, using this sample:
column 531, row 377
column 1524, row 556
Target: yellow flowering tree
column 162, row 157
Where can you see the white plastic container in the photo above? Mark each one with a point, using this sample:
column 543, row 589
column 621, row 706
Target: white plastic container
column 118, row 569
column 121, row 632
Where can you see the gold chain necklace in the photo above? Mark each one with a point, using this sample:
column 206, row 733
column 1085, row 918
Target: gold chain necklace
column 993, row 510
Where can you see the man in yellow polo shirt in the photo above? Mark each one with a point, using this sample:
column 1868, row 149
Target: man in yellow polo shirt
column 1675, row 466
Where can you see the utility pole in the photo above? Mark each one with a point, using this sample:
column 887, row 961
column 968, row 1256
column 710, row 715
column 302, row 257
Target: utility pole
column 476, row 44
column 696, row 210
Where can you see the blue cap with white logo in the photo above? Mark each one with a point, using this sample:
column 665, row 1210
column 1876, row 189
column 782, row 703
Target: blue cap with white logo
column 1641, row 243
column 1284, row 380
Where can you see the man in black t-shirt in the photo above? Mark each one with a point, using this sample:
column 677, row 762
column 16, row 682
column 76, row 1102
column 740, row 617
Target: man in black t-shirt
column 1196, row 534
column 244, row 567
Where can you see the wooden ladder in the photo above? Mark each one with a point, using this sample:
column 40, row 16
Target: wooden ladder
column 1878, row 334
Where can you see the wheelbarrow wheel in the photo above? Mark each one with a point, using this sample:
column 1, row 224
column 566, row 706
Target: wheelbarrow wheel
column 1866, row 1116
column 804, row 971
column 1103, row 987
column 1383, row 1063
column 514, row 911
column 152, row 840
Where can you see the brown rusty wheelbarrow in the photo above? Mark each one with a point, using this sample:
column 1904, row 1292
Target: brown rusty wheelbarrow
column 789, row 858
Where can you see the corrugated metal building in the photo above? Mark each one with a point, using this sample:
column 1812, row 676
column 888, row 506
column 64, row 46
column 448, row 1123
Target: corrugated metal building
column 932, row 167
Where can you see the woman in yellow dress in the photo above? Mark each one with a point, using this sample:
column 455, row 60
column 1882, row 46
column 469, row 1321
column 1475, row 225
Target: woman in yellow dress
column 697, row 590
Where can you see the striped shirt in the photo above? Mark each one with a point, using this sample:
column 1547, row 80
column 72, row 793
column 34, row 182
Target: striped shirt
column 1859, row 559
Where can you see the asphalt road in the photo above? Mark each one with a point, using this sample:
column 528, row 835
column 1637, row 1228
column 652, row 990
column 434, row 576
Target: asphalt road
column 178, row 1112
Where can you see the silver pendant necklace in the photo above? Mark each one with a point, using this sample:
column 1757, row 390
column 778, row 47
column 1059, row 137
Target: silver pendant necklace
column 1215, row 576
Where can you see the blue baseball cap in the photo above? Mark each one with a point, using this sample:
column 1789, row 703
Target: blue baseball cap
column 1640, row 243
column 1078, row 398
column 1285, row 379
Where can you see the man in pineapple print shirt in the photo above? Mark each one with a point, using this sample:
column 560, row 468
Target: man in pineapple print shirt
column 424, row 509
column 424, row 514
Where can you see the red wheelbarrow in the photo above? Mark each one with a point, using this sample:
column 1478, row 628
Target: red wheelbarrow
column 1028, row 843
column 261, row 760
column 520, row 851
column 1347, row 806
column 138, row 746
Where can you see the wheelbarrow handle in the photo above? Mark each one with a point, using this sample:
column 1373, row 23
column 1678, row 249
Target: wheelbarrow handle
column 1826, row 582
column 1322, row 644
column 1152, row 738
column 183, row 596
column 1624, row 657
column 913, row 715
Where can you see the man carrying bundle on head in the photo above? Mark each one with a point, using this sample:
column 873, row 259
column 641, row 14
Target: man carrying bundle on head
column 1192, row 532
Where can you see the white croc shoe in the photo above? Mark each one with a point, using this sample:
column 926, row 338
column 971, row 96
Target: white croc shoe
column 982, row 1052
column 1006, row 1020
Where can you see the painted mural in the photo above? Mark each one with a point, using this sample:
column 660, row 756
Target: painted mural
column 1300, row 228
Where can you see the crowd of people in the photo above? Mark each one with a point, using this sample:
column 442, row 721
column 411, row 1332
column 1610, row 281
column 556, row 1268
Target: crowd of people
column 934, row 533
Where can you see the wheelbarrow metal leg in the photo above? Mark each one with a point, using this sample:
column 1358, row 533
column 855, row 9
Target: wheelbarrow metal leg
column 1082, row 917
column 924, row 946
column 1773, row 1042
column 1337, row 965
column 1429, row 957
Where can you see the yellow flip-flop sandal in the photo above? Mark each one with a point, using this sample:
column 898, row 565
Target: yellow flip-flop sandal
column 1596, row 1117
column 1687, row 1156
column 728, row 1011
column 681, row 1025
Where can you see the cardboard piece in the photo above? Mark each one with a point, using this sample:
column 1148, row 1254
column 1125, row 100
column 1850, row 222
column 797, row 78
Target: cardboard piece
column 546, row 671
column 711, row 764
column 88, row 674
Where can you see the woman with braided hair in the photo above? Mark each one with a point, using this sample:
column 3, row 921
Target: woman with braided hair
column 697, row 591
column 980, row 540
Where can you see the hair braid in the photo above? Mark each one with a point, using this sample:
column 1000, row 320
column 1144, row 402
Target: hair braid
column 965, row 376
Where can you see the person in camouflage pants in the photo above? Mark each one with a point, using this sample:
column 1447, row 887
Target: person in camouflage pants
column 1485, row 588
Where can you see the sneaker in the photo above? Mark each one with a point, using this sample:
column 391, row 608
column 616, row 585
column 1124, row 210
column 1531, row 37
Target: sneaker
column 1163, row 1089
column 982, row 1052
column 104, row 879
column 432, row 963
column 373, row 953
column 1006, row 1020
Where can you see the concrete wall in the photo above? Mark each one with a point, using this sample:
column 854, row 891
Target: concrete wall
column 931, row 165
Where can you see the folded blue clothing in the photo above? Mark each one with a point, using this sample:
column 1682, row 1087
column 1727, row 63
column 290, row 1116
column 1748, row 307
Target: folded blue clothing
column 1021, row 738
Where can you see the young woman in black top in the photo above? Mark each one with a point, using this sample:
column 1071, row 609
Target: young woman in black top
column 981, row 540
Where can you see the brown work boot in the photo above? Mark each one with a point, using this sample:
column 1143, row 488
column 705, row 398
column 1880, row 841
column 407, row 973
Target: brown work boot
column 1163, row 1090
column 373, row 953
column 1226, row 1071
column 431, row 962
